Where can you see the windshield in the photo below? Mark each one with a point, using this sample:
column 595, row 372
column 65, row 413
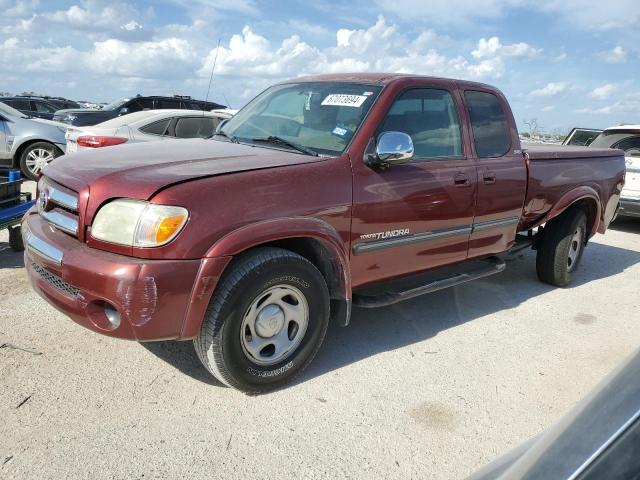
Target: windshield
column 318, row 116
column 4, row 108
column 115, row 105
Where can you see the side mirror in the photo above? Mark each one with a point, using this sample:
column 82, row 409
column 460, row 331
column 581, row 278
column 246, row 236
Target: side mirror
column 124, row 111
column 393, row 148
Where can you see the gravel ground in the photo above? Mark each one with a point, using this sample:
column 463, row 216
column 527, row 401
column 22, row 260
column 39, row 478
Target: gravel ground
column 432, row 388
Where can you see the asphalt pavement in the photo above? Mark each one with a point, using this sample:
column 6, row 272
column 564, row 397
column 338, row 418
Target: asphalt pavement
column 435, row 387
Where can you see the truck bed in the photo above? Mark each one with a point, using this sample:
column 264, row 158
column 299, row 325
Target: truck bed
column 555, row 170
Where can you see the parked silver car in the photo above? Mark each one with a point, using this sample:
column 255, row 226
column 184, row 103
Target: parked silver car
column 29, row 143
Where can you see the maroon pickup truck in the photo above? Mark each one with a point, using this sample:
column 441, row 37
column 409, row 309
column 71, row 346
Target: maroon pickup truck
column 321, row 194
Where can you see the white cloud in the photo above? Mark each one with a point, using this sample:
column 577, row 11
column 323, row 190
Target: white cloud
column 603, row 91
column 616, row 55
column 493, row 48
column 381, row 47
column 548, row 108
column 163, row 58
column 550, row 89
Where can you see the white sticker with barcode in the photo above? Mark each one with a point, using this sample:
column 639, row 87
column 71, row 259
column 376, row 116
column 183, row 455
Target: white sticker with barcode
column 344, row 100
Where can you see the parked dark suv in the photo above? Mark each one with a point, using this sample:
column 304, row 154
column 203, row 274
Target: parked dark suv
column 39, row 107
column 84, row 117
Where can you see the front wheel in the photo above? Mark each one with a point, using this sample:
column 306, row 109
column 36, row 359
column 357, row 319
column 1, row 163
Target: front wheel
column 561, row 247
column 266, row 321
column 36, row 156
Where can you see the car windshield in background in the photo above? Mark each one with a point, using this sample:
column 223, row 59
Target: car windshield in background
column 115, row 105
column 4, row 108
column 321, row 116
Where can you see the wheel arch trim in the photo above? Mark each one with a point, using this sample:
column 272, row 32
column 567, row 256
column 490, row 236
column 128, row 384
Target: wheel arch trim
column 571, row 198
column 219, row 256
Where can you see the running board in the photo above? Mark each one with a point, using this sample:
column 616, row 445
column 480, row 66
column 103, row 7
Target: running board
column 487, row 267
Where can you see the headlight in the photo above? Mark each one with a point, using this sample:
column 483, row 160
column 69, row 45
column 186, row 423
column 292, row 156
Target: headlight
column 138, row 223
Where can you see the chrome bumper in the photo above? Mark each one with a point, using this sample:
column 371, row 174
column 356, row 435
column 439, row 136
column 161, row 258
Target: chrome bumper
column 40, row 247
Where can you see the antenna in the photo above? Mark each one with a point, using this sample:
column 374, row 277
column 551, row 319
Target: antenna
column 215, row 60
column 226, row 100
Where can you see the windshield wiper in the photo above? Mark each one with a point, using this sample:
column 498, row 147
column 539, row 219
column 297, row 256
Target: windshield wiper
column 275, row 140
column 231, row 138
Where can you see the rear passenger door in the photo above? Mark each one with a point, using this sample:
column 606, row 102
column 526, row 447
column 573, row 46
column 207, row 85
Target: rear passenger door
column 418, row 215
column 501, row 170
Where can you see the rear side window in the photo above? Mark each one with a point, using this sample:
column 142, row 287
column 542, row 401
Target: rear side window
column 195, row 127
column 489, row 124
column 20, row 104
column 157, row 128
column 430, row 118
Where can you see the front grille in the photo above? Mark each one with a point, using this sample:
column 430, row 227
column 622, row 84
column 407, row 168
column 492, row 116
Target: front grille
column 55, row 281
column 58, row 205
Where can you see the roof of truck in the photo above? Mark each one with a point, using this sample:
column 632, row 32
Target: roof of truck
column 375, row 78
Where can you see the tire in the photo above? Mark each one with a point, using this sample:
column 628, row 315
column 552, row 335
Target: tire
column 34, row 158
column 250, row 297
column 561, row 247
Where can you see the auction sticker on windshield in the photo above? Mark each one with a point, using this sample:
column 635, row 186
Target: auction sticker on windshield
column 343, row 100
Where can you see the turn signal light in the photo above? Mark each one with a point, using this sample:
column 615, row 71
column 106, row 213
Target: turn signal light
column 95, row 141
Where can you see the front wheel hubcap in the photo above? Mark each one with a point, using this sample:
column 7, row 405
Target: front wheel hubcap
column 274, row 325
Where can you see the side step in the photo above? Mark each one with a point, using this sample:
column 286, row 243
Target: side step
column 484, row 268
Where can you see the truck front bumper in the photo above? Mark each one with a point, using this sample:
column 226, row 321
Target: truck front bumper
column 152, row 299
column 629, row 207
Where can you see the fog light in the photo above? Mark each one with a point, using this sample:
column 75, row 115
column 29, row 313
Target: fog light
column 112, row 315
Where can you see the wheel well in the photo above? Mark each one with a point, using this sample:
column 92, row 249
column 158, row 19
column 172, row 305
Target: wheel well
column 21, row 148
column 590, row 208
column 322, row 257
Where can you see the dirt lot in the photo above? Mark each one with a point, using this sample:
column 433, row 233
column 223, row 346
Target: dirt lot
column 432, row 388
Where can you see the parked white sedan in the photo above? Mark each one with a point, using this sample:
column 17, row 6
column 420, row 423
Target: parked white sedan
column 146, row 126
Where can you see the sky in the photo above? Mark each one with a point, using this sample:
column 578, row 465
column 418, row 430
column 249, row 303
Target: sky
column 564, row 63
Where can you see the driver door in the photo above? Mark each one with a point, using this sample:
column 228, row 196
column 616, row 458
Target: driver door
column 418, row 215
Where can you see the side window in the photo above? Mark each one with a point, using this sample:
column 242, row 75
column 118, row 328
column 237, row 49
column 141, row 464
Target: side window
column 21, row 105
column 168, row 103
column 430, row 118
column 43, row 108
column 195, row 127
column 185, row 105
column 489, row 124
column 139, row 104
column 157, row 128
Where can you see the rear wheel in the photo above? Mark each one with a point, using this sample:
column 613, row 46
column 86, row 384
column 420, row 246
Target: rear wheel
column 36, row 156
column 561, row 247
column 266, row 321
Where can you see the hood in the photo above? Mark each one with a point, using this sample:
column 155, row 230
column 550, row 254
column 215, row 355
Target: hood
column 139, row 170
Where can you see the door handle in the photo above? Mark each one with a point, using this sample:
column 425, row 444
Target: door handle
column 461, row 180
column 488, row 177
